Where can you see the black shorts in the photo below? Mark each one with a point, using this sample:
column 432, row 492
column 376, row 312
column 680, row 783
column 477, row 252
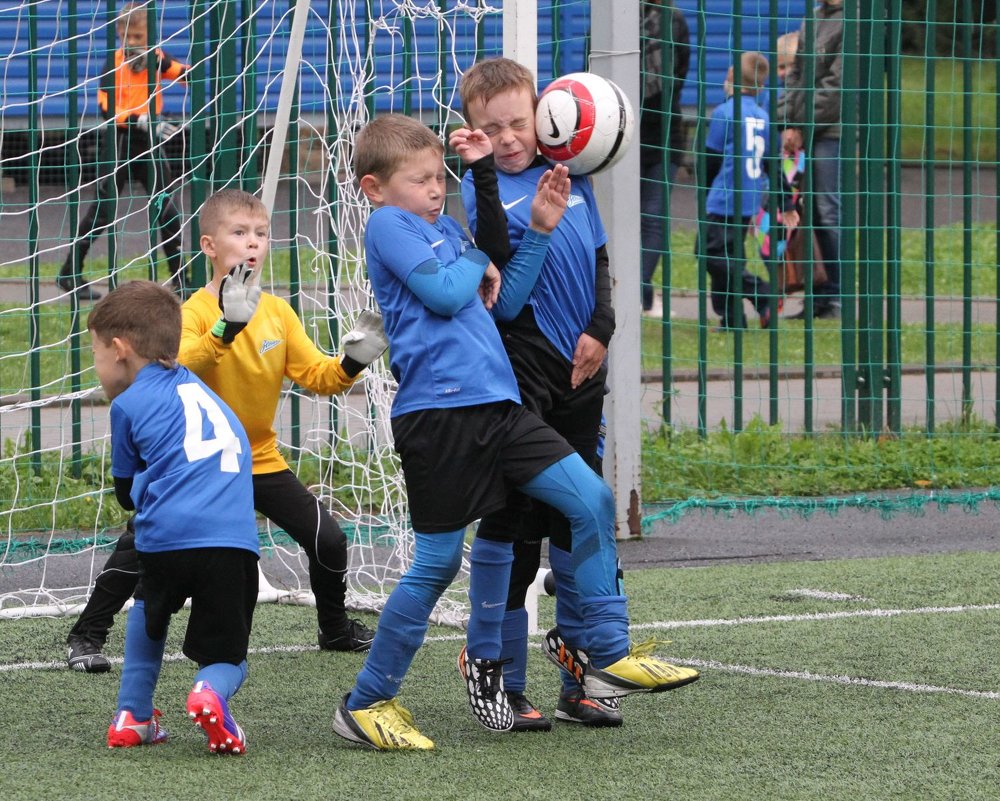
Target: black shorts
column 222, row 586
column 460, row 464
column 543, row 377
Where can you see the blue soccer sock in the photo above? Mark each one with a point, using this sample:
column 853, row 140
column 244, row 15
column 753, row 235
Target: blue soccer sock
column 606, row 618
column 515, row 649
column 400, row 632
column 569, row 618
column 223, row 677
column 403, row 623
column 141, row 670
column 489, row 581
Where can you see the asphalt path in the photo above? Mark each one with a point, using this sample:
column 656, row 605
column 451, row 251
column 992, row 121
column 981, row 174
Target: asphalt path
column 704, row 537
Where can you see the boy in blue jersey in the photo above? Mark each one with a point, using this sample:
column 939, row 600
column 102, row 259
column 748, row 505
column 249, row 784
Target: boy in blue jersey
column 181, row 460
column 557, row 341
column 465, row 440
column 730, row 212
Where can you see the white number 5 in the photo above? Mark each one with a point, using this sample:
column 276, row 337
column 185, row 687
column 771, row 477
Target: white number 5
column 754, row 144
column 196, row 400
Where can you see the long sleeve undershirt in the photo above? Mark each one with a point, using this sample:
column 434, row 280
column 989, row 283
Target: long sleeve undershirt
column 446, row 288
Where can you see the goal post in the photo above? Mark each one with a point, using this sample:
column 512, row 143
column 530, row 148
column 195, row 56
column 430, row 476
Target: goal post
column 276, row 93
column 615, row 55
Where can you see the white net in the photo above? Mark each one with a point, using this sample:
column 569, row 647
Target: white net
column 58, row 517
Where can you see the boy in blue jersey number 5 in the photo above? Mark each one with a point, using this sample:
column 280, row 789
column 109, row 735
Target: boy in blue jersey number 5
column 463, row 437
column 729, row 212
column 181, row 460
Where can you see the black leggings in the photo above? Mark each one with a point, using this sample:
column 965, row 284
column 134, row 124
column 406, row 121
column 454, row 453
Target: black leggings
column 136, row 161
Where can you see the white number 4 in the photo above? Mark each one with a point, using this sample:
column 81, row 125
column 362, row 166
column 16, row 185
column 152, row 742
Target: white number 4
column 225, row 441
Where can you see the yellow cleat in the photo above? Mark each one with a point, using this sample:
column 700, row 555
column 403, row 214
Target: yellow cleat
column 385, row 726
column 639, row 672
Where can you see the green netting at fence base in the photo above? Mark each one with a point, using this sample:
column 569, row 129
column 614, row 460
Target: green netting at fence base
column 887, row 506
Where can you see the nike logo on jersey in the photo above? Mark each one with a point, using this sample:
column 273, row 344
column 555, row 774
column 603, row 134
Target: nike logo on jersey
column 555, row 128
column 438, row 243
column 509, row 206
column 574, row 200
column 268, row 344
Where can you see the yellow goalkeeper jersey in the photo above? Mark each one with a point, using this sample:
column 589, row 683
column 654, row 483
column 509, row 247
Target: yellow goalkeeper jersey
column 248, row 373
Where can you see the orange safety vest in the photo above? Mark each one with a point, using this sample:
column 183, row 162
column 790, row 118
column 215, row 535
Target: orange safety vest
column 132, row 88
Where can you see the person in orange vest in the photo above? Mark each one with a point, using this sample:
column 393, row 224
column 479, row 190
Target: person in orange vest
column 139, row 152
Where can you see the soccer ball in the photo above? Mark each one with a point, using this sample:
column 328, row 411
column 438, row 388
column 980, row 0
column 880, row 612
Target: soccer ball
column 583, row 121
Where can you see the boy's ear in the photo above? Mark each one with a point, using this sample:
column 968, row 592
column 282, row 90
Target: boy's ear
column 372, row 187
column 121, row 347
column 207, row 245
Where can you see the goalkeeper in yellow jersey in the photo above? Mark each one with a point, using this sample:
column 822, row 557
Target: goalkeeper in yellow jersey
column 243, row 343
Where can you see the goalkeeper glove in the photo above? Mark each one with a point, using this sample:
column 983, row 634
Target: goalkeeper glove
column 238, row 299
column 164, row 130
column 364, row 343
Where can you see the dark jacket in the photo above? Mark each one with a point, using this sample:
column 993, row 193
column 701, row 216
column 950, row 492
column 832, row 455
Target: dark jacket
column 828, row 52
column 651, row 118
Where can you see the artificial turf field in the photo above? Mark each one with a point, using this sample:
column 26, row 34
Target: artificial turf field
column 850, row 679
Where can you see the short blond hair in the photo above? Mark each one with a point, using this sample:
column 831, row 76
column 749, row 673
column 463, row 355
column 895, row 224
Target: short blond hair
column 754, row 70
column 389, row 140
column 787, row 45
column 494, row 76
column 145, row 314
column 225, row 203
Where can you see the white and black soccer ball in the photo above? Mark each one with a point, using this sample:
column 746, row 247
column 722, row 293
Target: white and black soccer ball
column 584, row 121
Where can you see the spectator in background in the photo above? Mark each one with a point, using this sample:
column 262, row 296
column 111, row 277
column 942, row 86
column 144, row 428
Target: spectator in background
column 729, row 212
column 827, row 52
column 660, row 135
column 138, row 148
column 787, row 47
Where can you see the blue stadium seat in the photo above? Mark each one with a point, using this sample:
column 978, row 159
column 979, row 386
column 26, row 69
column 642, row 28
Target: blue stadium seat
column 273, row 17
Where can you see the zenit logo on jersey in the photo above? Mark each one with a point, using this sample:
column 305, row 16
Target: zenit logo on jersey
column 268, row 344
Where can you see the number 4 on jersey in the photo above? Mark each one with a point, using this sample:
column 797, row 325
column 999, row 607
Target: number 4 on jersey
column 225, row 441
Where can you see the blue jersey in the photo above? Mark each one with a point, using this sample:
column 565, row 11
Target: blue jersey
column 564, row 296
column 753, row 147
column 439, row 361
column 189, row 461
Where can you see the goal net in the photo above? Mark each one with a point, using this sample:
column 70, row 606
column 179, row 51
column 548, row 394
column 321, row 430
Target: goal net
column 58, row 514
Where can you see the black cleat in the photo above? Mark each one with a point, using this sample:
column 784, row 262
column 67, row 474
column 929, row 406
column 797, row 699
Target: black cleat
column 526, row 717
column 355, row 637
column 83, row 291
column 85, row 656
column 576, row 707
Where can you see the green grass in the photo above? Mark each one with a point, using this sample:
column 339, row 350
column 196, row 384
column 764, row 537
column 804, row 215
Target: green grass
column 948, row 347
column 54, row 499
column 948, row 262
column 795, row 730
column 948, row 109
column 764, row 461
column 56, row 324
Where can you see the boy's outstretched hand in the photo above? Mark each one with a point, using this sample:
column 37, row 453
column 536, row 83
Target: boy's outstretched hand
column 489, row 287
column 238, row 299
column 470, row 145
column 550, row 200
column 364, row 343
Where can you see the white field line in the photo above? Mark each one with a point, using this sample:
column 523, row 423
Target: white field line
column 707, row 664
column 853, row 681
column 825, row 595
column 741, row 621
